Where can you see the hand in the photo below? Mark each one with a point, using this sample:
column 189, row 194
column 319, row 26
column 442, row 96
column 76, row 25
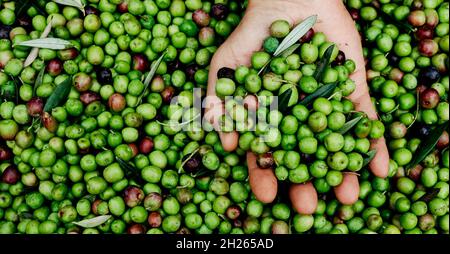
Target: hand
column 336, row 23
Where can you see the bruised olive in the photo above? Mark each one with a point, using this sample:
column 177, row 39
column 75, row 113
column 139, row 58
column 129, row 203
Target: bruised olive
column 429, row 98
column 201, row 18
column 133, row 196
column 225, row 72
column 11, row 175
column 233, row 212
column 265, row 161
column 146, row 145
column 82, row 82
column 192, row 164
column 35, row 106
column 87, row 97
column 184, row 195
column 154, row 219
column 136, row 229
column 219, row 11
column 54, row 67
column 49, row 122
column 116, row 102
column 153, row 201
column 140, row 63
column 104, row 76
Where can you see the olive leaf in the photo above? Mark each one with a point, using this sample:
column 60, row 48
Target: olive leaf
column 129, row 169
column 350, row 124
column 389, row 18
column 289, row 51
column 150, row 76
column 323, row 63
column 296, row 34
column 429, row 196
column 74, row 3
column 323, row 91
column 23, row 5
column 17, row 83
column 428, row 145
column 46, row 43
column 39, row 80
column 370, row 155
column 174, row 123
column 35, row 51
column 93, row 222
column 283, row 100
column 59, row 95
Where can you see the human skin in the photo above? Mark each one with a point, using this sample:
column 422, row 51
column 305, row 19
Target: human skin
column 338, row 26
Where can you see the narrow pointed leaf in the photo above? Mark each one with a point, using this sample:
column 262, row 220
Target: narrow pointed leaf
column 73, row 3
column 289, row 51
column 323, row 91
column 93, row 222
column 283, row 100
column 59, row 95
column 35, row 51
column 46, row 43
column 428, row 145
column 296, row 34
column 129, row 169
column 369, row 157
column 350, row 124
column 389, row 18
column 150, row 76
column 323, row 63
column 39, row 79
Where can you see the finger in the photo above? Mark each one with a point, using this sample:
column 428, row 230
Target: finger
column 229, row 140
column 262, row 181
column 380, row 163
column 348, row 191
column 304, row 198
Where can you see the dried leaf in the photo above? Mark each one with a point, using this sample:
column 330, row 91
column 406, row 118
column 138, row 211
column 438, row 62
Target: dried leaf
column 75, row 3
column 59, row 95
column 370, row 155
column 323, row 63
column 150, row 76
column 46, row 43
column 350, row 124
column 296, row 34
column 428, row 145
column 323, row 91
column 93, row 222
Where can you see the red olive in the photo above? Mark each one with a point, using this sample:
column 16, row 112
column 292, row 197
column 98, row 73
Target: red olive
column 140, row 63
column 11, row 175
column 154, row 219
column 122, row 7
column 133, row 196
column 87, row 97
column 49, row 122
column 424, row 33
column 415, row 172
column 94, row 206
column 82, row 82
column 205, row 33
column 355, row 14
column 134, row 149
column 167, row 94
column 396, row 74
column 417, row 18
column 136, row 229
column 201, row 18
column 116, row 102
column 35, row 106
column 428, row 47
column 5, row 153
column 67, row 54
column 443, row 141
column 54, row 67
column 308, row 36
column 233, row 212
column 429, row 98
column 146, row 145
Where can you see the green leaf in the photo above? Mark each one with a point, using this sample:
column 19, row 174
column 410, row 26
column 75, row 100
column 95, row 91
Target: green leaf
column 283, row 100
column 370, row 155
column 129, row 169
column 23, row 5
column 289, row 51
column 59, row 95
column 35, row 51
column 296, row 34
column 93, row 222
column 389, row 18
column 350, row 124
column 39, row 79
column 428, row 145
column 323, row 63
column 73, row 3
column 46, row 43
column 150, row 76
column 323, row 91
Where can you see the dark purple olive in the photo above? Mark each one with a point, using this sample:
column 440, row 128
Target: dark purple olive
column 116, row 102
column 5, row 153
column 225, row 72
column 49, row 122
column 154, row 219
column 82, row 82
column 237, row 223
column 308, row 36
column 429, row 76
column 92, row 10
column 167, row 94
column 136, row 229
column 415, row 173
column 133, row 196
column 10, row 175
column 219, row 11
column 54, row 67
column 233, row 212
column 87, row 97
column 308, row 158
column 140, row 63
column 424, row 130
column 393, row 59
column 428, row 47
column 190, row 71
column 146, row 145
column 173, row 65
column 424, row 33
column 280, row 227
column 265, row 161
column 192, row 164
column 201, row 18
column 153, row 201
column 4, row 31
column 35, row 106
column 104, row 76
column 443, row 141
column 340, row 59
column 429, row 98
column 183, row 231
